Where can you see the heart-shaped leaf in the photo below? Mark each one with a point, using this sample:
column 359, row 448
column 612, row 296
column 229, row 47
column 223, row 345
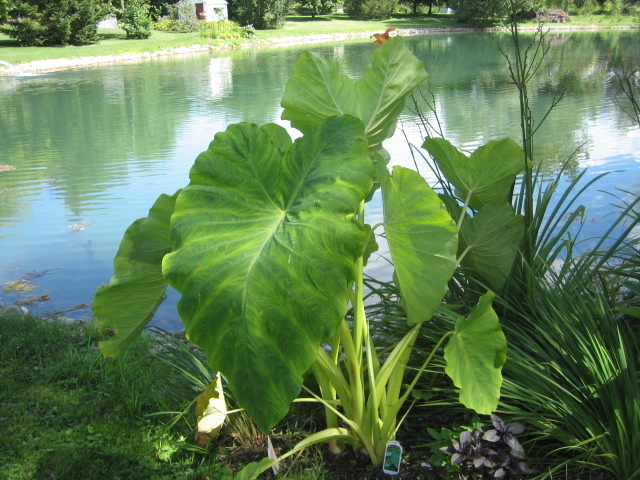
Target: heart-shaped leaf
column 137, row 288
column 488, row 174
column 423, row 240
column 475, row 355
column 265, row 244
column 491, row 240
column 317, row 90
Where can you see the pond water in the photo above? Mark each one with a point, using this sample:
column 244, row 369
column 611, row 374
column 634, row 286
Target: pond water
column 86, row 152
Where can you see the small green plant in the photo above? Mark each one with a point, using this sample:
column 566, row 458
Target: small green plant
column 225, row 29
column 137, row 21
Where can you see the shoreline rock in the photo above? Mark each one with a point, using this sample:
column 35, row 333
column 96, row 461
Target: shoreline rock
column 41, row 66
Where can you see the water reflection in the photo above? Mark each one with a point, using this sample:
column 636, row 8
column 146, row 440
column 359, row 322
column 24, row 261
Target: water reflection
column 221, row 78
column 93, row 148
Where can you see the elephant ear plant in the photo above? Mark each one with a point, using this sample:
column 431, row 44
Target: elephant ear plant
column 267, row 246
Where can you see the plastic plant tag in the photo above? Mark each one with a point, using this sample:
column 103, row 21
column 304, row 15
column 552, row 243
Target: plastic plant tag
column 271, row 453
column 392, row 458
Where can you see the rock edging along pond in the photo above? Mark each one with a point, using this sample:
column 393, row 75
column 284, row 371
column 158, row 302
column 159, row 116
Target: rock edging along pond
column 7, row 69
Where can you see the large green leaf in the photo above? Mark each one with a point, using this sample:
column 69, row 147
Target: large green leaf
column 137, row 288
column 317, row 90
column 491, row 240
column 265, row 244
column 423, row 241
column 488, row 174
column 475, row 355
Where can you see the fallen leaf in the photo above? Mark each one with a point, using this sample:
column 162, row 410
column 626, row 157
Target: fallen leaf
column 211, row 412
column 382, row 37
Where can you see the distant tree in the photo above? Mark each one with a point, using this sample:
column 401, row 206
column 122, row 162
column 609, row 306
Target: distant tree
column 55, row 22
column 318, row 7
column 414, row 4
column 370, row 9
column 484, row 12
column 158, row 8
column 262, row 14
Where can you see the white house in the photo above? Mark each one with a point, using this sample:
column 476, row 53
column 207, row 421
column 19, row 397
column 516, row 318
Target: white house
column 211, row 10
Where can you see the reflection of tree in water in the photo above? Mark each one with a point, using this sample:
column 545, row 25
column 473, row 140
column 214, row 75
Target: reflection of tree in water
column 469, row 77
column 78, row 131
column 623, row 84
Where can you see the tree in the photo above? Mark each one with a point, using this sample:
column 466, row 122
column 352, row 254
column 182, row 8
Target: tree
column 483, row 12
column 3, row 11
column 370, row 9
column 262, row 14
column 55, row 22
column 184, row 15
column 318, row 7
column 414, row 4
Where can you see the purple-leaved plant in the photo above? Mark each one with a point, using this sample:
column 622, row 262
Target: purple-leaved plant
column 481, row 454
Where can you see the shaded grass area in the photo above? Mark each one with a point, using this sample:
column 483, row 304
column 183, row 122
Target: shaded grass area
column 68, row 413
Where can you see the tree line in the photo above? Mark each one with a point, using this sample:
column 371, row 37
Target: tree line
column 64, row 22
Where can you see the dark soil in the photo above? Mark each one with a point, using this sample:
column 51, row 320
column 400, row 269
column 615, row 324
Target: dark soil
column 351, row 465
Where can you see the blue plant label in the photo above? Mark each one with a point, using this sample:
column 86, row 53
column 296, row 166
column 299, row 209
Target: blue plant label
column 392, row 458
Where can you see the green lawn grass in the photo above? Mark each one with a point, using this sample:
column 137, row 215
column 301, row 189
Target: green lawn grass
column 66, row 412
column 114, row 42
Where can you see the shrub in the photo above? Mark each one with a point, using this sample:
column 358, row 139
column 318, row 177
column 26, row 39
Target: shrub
column 370, row 9
column 137, row 20
column 166, row 24
column 55, row 22
column 183, row 15
column 262, row 14
column 225, row 29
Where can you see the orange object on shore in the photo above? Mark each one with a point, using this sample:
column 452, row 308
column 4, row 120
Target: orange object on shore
column 382, row 37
